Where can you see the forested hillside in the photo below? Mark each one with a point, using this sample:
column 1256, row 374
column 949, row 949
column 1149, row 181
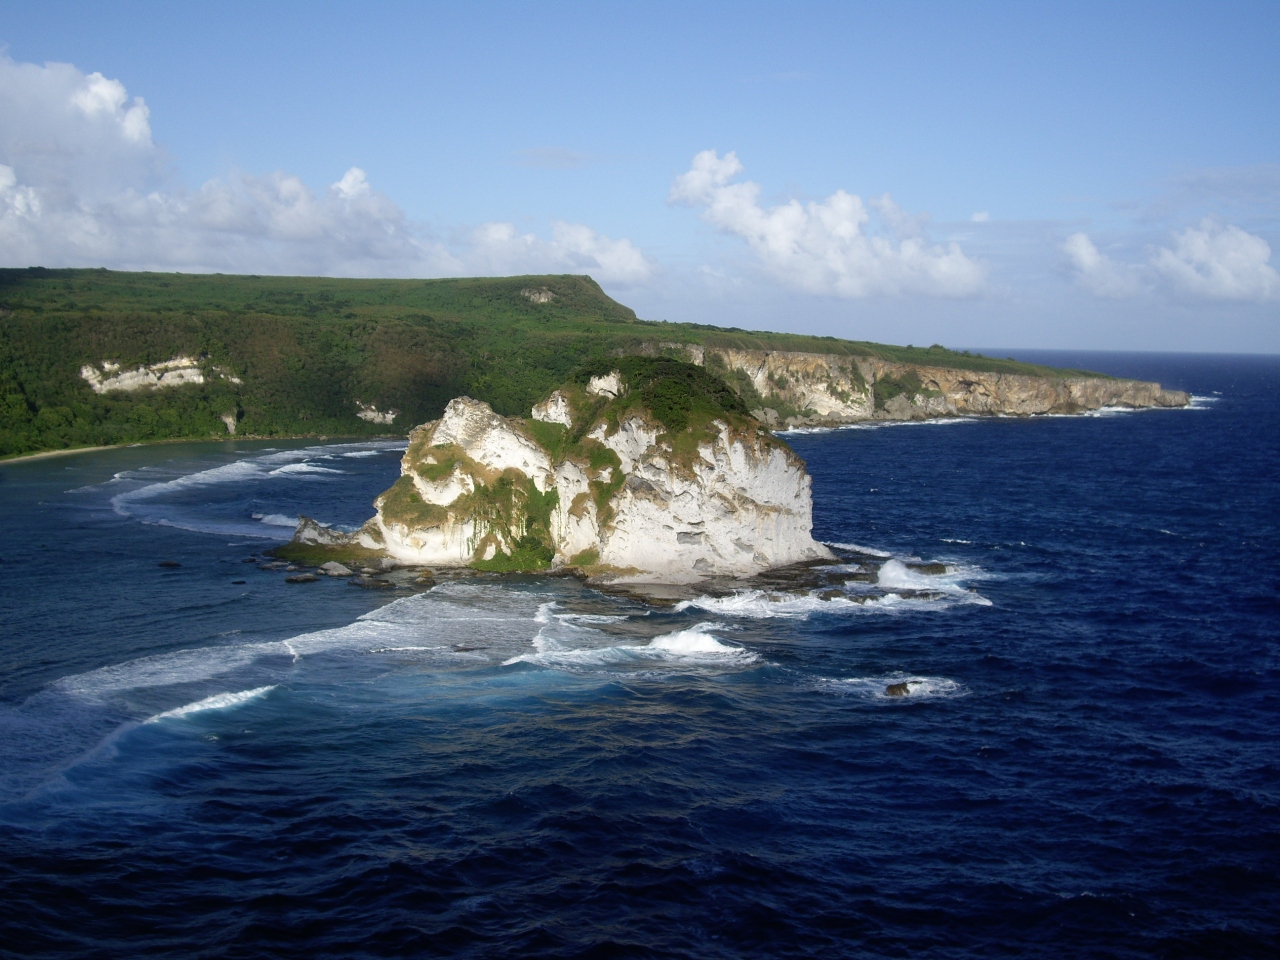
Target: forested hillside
column 299, row 356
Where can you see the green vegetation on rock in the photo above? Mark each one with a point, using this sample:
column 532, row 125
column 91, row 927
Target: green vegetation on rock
column 306, row 350
column 519, row 514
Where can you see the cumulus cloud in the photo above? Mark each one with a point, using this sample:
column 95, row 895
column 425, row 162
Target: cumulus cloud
column 573, row 248
column 83, row 183
column 1213, row 261
column 1220, row 262
column 828, row 247
column 1097, row 272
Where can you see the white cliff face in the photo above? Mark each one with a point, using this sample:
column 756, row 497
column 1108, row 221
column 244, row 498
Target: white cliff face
column 827, row 388
column 371, row 414
column 631, row 441
column 170, row 373
column 554, row 409
column 741, row 506
column 490, row 440
column 107, row 376
column 606, row 385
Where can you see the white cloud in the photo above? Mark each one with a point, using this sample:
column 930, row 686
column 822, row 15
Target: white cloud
column 83, row 183
column 1219, row 262
column 982, row 216
column 573, row 248
column 1212, row 261
column 1097, row 272
column 827, row 247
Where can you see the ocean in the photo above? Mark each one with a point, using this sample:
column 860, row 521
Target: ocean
column 200, row 759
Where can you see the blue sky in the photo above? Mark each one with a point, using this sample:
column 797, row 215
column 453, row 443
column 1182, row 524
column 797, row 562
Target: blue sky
column 1059, row 175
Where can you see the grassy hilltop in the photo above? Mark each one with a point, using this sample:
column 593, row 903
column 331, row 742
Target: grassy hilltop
column 306, row 349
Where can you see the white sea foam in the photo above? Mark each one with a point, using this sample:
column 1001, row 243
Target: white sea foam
column 1106, row 412
column 875, row 688
column 221, row 701
column 876, row 425
column 694, row 646
column 273, row 463
column 304, row 468
column 1201, row 403
column 165, row 669
column 695, row 641
column 760, row 605
column 594, row 617
column 278, row 520
column 896, row 575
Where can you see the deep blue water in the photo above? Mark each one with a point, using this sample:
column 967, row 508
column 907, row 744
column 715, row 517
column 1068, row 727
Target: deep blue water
column 1087, row 764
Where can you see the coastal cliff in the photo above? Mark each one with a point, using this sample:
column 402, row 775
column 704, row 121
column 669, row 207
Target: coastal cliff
column 799, row 389
column 650, row 470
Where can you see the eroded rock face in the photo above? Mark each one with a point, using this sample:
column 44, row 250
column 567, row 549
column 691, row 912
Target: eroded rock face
column 170, row 373
column 740, row 507
column 632, row 509
column 554, row 409
column 824, row 388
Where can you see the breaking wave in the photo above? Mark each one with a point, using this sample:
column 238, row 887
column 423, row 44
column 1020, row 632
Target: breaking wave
column 691, row 646
column 221, row 701
column 278, row 520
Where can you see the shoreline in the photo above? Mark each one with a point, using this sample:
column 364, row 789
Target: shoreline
column 69, row 451
column 816, row 426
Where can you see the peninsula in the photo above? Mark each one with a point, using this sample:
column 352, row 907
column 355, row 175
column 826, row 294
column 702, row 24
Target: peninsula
column 97, row 358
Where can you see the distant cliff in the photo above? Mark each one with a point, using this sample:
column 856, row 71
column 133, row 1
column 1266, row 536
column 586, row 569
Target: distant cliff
column 96, row 357
column 785, row 388
column 651, row 470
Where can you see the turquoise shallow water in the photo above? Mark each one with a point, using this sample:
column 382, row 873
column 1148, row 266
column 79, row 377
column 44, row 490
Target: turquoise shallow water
column 191, row 766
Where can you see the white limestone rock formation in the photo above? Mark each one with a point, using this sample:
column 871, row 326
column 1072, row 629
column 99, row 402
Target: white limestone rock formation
column 554, row 409
column 623, row 497
column 107, row 376
column 817, row 388
column 371, row 414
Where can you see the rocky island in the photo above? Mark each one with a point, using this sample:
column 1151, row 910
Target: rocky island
column 644, row 469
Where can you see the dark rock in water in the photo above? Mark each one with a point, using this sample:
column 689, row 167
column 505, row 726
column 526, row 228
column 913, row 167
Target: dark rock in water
column 933, row 569
column 859, row 577
column 250, row 560
column 236, row 583
column 274, row 565
column 168, row 563
column 460, row 648
column 831, row 594
column 372, row 583
column 897, row 690
column 302, row 578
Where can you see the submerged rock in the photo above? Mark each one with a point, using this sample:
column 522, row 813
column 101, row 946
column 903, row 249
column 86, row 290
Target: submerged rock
column 372, row 583
column 302, row 578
